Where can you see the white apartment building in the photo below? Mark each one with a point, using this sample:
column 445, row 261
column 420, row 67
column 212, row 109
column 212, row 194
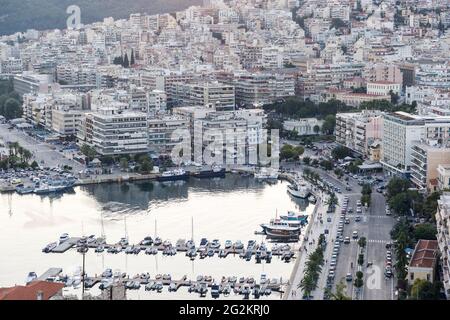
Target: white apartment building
column 219, row 95
column 436, row 75
column 160, row 130
column 65, row 122
column 358, row 131
column 425, row 160
column 257, row 89
column 113, row 132
column 31, row 83
column 400, row 129
column 443, row 179
column 157, row 101
column 383, row 88
column 443, row 237
column 11, row 66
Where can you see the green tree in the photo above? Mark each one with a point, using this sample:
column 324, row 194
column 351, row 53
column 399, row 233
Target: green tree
column 124, row 163
column 132, row 61
column 362, row 242
column 329, row 124
column 361, row 259
column 88, row 151
column 340, row 292
column 126, row 62
column 341, row 152
column 306, row 160
column 425, row 290
column 397, row 185
column 316, row 129
column 425, row 231
column 12, row 109
column 400, row 203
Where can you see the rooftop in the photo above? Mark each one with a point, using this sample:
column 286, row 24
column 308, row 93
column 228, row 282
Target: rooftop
column 30, row 292
column 424, row 255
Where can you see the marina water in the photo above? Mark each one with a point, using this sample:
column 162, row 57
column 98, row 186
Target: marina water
column 226, row 209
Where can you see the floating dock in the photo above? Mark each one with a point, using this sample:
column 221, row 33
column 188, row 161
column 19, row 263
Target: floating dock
column 284, row 252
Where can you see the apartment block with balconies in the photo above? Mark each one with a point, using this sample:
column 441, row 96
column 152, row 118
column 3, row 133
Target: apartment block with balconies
column 443, row 237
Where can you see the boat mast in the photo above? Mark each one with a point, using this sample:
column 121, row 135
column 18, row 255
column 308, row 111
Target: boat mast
column 155, row 229
column 126, row 232
column 103, row 227
column 192, row 231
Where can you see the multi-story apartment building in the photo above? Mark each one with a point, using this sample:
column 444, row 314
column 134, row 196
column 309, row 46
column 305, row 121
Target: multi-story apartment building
column 219, row 95
column 161, row 129
column 436, row 75
column 31, row 83
column 157, row 101
column 400, row 129
column 358, row 131
column 443, row 237
column 256, row 89
column 425, row 159
column 65, row 122
column 443, row 180
column 113, row 132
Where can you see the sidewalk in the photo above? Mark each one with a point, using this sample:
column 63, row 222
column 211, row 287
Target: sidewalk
column 312, row 233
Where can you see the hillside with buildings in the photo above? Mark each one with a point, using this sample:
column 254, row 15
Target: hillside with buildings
column 18, row 16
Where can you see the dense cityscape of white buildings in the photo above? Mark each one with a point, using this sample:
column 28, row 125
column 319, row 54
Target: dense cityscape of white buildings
column 125, row 86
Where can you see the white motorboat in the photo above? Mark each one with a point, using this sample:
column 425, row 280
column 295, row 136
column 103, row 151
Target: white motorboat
column 299, row 190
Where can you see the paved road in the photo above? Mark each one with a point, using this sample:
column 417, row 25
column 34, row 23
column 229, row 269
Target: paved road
column 377, row 286
column 41, row 151
column 374, row 225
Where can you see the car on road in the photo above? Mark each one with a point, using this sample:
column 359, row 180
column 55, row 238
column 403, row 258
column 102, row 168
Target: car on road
column 329, row 219
column 331, row 275
column 347, row 240
column 357, row 219
column 333, row 262
column 348, row 277
column 347, row 221
column 355, row 235
column 388, row 272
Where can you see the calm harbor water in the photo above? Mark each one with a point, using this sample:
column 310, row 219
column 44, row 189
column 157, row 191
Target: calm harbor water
column 224, row 209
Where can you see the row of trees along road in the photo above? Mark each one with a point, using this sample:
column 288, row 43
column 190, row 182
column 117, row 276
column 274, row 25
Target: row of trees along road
column 405, row 201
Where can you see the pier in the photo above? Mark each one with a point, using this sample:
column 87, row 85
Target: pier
column 226, row 285
column 259, row 252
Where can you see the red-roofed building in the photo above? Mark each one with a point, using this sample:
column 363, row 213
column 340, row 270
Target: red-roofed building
column 423, row 261
column 37, row 290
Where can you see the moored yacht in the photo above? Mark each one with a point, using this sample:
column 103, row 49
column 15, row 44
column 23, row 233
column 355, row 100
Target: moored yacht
column 177, row 174
column 280, row 229
column 299, row 190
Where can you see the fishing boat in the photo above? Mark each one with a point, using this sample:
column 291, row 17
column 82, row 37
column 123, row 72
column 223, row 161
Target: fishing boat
column 177, row 174
column 215, row 172
column 22, row 189
column 267, row 174
column 47, row 188
column 50, row 247
column 278, row 228
column 294, row 220
column 299, row 190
